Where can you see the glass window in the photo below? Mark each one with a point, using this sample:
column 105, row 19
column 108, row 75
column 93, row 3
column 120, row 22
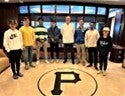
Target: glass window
column 112, row 11
column 77, row 9
column 101, row 11
column 35, row 9
column 90, row 10
column 60, row 24
column 62, row 9
column 23, row 9
column 86, row 24
column 46, row 24
column 48, row 8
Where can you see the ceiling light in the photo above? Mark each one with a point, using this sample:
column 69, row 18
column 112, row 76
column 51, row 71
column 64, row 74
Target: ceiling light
column 6, row 0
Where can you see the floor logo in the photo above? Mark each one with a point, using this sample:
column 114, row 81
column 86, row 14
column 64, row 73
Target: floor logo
column 67, row 82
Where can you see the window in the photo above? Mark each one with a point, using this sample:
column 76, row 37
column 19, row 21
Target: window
column 60, row 24
column 77, row 9
column 86, row 25
column 48, row 8
column 62, row 9
column 46, row 24
column 23, row 9
column 101, row 11
column 35, row 9
column 112, row 11
column 90, row 10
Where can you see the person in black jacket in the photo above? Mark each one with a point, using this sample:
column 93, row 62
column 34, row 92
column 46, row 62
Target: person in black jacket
column 53, row 36
column 104, row 45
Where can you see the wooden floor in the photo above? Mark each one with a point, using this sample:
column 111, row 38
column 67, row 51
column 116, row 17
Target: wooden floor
column 74, row 80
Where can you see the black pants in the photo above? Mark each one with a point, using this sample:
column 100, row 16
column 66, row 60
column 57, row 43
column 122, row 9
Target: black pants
column 14, row 57
column 91, row 51
column 70, row 48
column 103, row 61
column 54, row 47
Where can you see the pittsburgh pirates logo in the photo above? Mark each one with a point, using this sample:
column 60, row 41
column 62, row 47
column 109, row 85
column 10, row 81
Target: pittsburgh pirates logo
column 67, row 82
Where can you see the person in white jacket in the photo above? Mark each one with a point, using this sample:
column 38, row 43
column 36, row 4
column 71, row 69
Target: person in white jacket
column 13, row 45
column 91, row 38
column 68, row 32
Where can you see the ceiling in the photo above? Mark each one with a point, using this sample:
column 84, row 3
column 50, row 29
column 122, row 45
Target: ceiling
column 109, row 2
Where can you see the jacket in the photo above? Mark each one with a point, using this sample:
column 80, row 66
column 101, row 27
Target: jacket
column 54, row 33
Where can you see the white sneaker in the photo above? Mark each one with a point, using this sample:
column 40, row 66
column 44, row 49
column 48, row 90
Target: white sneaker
column 47, row 61
column 37, row 62
column 100, row 72
column 52, row 61
column 57, row 61
column 104, row 73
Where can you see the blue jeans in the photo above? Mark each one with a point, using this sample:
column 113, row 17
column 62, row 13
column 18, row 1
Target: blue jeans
column 28, row 56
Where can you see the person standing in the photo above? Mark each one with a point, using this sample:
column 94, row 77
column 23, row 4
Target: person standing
column 41, row 40
column 28, row 42
column 68, row 32
column 104, row 45
column 91, row 38
column 53, row 35
column 13, row 45
column 79, row 40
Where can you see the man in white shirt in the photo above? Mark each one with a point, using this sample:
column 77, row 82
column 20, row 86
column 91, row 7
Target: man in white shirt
column 68, row 32
column 91, row 38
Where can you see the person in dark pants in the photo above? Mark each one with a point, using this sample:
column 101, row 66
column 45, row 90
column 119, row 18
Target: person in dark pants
column 53, row 36
column 68, row 32
column 104, row 46
column 91, row 38
column 13, row 44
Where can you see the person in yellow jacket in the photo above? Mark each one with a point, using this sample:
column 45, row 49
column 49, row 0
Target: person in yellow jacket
column 28, row 36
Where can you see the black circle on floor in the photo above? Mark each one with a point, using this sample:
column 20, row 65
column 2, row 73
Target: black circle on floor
column 38, row 83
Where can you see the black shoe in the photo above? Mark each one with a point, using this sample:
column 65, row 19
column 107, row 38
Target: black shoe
column 15, row 76
column 20, row 74
column 64, row 61
column 73, row 62
column 96, row 68
column 89, row 65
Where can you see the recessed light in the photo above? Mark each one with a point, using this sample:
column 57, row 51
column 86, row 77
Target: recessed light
column 6, row 0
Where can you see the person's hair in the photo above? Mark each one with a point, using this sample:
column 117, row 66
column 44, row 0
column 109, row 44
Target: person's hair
column 80, row 19
column 40, row 18
column 12, row 21
column 25, row 18
column 92, row 22
column 53, row 20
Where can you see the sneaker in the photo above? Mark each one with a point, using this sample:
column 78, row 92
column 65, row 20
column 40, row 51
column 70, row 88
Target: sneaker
column 47, row 61
column 64, row 61
column 77, row 62
column 100, row 72
column 15, row 76
column 31, row 65
column 83, row 63
column 57, row 61
column 52, row 61
column 37, row 62
column 89, row 65
column 96, row 68
column 73, row 62
column 20, row 74
column 26, row 67
column 104, row 73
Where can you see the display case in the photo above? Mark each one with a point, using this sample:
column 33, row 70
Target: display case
column 117, row 54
